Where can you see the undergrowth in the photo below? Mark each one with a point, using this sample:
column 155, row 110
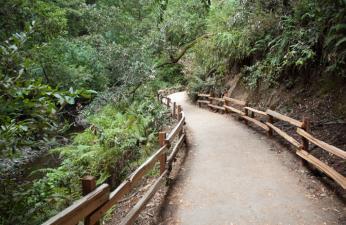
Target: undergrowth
column 119, row 137
column 270, row 41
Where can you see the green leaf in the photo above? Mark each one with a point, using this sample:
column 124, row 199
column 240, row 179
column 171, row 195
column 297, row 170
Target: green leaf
column 340, row 42
column 69, row 100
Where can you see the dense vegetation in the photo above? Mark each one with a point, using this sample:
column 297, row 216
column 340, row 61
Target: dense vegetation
column 271, row 42
column 97, row 64
column 76, row 64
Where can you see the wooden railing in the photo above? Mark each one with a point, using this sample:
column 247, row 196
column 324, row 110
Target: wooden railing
column 265, row 121
column 98, row 200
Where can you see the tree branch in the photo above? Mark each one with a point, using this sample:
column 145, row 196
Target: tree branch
column 182, row 51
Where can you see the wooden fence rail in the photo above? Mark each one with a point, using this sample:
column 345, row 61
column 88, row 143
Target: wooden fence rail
column 93, row 206
column 134, row 212
column 249, row 114
column 234, row 103
column 204, row 99
column 81, row 208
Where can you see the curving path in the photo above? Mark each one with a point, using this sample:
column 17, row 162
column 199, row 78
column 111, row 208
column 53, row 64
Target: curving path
column 231, row 177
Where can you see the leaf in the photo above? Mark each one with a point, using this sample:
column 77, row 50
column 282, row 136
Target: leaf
column 60, row 98
column 24, row 128
column 91, row 91
column 330, row 39
column 338, row 27
column 70, row 100
column 21, row 71
column 340, row 42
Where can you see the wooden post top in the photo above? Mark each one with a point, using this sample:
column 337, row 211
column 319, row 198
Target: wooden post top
column 88, row 184
column 306, row 123
column 162, row 138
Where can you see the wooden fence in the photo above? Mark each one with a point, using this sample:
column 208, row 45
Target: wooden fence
column 265, row 121
column 98, row 200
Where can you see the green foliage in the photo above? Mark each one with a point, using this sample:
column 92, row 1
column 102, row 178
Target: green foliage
column 50, row 18
column 47, row 76
column 292, row 48
column 119, row 135
column 335, row 42
column 271, row 40
column 124, row 51
column 28, row 108
column 182, row 23
column 185, row 26
column 68, row 52
column 172, row 75
column 68, row 64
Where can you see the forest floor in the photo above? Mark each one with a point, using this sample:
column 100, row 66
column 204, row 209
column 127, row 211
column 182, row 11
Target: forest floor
column 233, row 174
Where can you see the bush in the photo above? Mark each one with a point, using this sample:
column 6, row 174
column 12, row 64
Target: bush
column 272, row 41
column 119, row 137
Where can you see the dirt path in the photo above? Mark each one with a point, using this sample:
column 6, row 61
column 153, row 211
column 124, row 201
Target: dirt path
column 231, row 176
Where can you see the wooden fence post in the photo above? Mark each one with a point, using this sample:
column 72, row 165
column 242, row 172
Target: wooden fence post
column 270, row 120
column 306, row 127
column 181, row 132
column 211, row 100
column 168, row 102
column 246, row 114
column 180, row 116
column 179, row 112
column 88, row 185
column 163, row 157
column 174, row 110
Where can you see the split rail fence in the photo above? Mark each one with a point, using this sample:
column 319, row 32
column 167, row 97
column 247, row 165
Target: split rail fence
column 98, row 200
column 247, row 114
